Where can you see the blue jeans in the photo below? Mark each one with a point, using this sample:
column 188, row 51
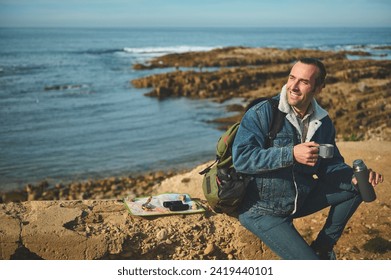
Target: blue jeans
column 280, row 235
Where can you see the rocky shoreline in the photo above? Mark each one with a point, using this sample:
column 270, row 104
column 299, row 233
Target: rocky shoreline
column 107, row 188
column 357, row 94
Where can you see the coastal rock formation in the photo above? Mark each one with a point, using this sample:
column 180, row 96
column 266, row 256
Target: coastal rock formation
column 107, row 188
column 235, row 56
column 103, row 229
column 222, row 84
column 357, row 94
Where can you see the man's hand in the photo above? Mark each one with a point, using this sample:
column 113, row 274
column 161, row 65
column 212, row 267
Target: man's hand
column 306, row 153
column 374, row 178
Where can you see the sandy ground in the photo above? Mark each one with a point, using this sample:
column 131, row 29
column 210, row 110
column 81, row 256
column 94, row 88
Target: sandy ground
column 99, row 228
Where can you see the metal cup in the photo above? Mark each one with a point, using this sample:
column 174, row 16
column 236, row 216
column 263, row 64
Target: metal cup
column 326, row 150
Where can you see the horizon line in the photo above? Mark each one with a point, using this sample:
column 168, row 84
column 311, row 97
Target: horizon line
column 192, row 27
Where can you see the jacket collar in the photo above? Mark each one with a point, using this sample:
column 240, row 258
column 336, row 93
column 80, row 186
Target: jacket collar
column 315, row 122
column 319, row 112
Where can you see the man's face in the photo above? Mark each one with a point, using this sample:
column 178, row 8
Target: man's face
column 301, row 86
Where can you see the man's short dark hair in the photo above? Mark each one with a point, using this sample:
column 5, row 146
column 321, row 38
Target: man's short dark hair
column 320, row 79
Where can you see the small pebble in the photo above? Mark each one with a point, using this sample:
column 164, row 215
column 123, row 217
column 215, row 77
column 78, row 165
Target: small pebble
column 162, row 234
column 209, row 249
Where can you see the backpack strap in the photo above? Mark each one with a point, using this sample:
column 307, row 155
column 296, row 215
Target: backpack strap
column 277, row 122
column 206, row 170
column 275, row 126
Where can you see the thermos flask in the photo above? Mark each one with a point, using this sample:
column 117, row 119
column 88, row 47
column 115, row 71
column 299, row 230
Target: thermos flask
column 365, row 188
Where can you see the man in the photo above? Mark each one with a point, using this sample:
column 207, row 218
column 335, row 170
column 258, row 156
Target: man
column 290, row 179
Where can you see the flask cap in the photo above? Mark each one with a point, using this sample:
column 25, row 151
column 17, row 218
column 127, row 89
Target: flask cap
column 359, row 165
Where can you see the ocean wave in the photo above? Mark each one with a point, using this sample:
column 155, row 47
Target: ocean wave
column 147, row 51
column 65, row 87
column 157, row 51
column 369, row 51
column 20, row 69
column 101, row 51
column 162, row 50
column 352, row 47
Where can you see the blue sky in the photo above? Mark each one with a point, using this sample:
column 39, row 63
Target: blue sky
column 200, row 13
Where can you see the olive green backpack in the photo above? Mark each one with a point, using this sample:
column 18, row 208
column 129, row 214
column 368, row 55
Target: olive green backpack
column 223, row 187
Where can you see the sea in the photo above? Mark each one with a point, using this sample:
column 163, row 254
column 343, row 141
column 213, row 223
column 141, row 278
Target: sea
column 68, row 110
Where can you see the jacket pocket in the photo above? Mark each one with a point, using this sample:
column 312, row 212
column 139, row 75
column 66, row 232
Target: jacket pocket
column 277, row 191
column 283, row 139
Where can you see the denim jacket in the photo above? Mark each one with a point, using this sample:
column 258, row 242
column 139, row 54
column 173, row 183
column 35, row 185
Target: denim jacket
column 282, row 183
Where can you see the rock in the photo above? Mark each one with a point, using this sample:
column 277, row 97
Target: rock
column 235, row 56
column 13, row 196
column 162, row 234
column 210, row 248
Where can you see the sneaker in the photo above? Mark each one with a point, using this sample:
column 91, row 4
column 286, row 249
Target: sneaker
column 332, row 256
column 323, row 252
